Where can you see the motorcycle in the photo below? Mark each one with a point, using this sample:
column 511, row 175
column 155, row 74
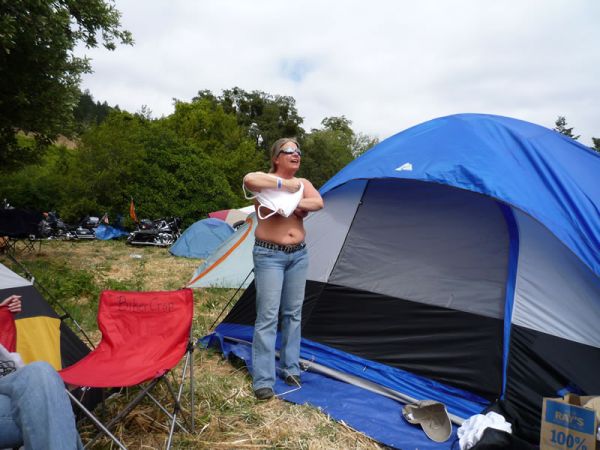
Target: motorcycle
column 160, row 232
column 87, row 227
column 53, row 227
column 6, row 205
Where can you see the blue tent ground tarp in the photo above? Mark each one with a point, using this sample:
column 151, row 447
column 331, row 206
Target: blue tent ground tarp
column 378, row 416
column 106, row 232
column 463, row 256
column 202, row 238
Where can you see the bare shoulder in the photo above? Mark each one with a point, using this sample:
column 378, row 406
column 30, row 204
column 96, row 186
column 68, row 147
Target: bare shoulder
column 309, row 189
column 306, row 182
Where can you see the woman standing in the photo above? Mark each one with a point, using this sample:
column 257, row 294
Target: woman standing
column 280, row 267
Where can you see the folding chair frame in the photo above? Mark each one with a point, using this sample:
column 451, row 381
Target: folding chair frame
column 8, row 245
column 188, row 367
column 11, row 244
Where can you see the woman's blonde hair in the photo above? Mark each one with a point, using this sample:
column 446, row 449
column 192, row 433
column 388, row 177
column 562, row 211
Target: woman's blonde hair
column 278, row 145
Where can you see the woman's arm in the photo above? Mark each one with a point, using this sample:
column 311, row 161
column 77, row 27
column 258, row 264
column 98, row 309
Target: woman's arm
column 312, row 200
column 256, row 181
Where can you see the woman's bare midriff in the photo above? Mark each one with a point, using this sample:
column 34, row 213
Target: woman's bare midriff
column 281, row 230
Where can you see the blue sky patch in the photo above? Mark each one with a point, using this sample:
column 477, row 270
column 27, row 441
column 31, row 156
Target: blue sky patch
column 296, row 69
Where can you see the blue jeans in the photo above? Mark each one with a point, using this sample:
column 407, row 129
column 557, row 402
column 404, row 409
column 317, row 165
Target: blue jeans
column 35, row 410
column 280, row 280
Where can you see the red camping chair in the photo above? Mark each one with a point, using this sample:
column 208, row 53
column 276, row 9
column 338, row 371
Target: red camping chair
column 144, row 336
column 8, row 331
column 8, row 338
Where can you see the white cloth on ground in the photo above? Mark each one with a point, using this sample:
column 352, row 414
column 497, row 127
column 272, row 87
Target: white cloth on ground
column 594, row 404
column 471, row 430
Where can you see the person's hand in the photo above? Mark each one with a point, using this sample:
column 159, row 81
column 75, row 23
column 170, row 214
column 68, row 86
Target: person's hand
column 292, row 185
column 301, row 213
column 13, row 303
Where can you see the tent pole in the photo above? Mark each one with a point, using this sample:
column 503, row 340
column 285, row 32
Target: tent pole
column 357, row 381
column 230, row 300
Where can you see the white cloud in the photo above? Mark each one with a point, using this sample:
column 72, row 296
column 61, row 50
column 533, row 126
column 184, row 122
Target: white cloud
column 385, row 65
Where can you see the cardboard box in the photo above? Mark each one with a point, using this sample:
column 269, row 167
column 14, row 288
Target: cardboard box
column 567, row 425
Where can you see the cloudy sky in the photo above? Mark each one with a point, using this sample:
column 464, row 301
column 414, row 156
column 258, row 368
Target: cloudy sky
column 385, row 65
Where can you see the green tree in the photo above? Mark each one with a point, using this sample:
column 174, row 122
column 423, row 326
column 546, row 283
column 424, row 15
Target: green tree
column 561, row 127
column 265, row 117
column 205, row 125
column 358, row 142
column 327, row 150
column 596, row 142
column 362, row 142
column 184, row 165
column 88, row 113
column 178, row 180
column 109, row 160
column 187, row 164
column 340, row 124
column 40, row 186
column 40, row 73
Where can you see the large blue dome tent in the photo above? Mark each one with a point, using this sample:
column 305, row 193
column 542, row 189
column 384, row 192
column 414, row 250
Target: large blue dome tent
column 458, row 261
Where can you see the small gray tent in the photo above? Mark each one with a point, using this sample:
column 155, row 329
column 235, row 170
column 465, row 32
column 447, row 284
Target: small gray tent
column 230, row 265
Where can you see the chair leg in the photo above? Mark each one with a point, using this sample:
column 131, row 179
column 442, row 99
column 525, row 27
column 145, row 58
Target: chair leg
column 95, row 421
column 11, row 244
column 192, row 348
column 125, row 411
column 177, row 398
column 167, row 413
column 176, row 409
column 133, row 403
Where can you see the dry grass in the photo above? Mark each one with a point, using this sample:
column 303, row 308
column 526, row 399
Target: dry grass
column 227, row 416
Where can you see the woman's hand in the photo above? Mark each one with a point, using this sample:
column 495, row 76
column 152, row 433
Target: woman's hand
column 292, row 185
column 301, row 213
column 13, row 303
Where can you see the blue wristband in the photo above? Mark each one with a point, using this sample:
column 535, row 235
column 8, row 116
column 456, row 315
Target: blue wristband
column 279, row 183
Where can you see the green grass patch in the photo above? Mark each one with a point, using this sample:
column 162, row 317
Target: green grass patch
column 227, row 415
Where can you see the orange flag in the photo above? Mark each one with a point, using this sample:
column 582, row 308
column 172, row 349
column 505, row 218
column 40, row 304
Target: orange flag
column 132, row 211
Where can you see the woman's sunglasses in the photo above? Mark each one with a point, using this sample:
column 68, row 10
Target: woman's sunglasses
column 289, row 151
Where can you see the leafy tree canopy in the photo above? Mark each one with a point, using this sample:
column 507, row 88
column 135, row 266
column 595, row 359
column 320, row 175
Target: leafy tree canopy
column 363, row 142
column 40, row 186
column 327, row 150
column 39, row 72
column 561, row 127
column 265, row 117
column 186, row 164
column 88, row 113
